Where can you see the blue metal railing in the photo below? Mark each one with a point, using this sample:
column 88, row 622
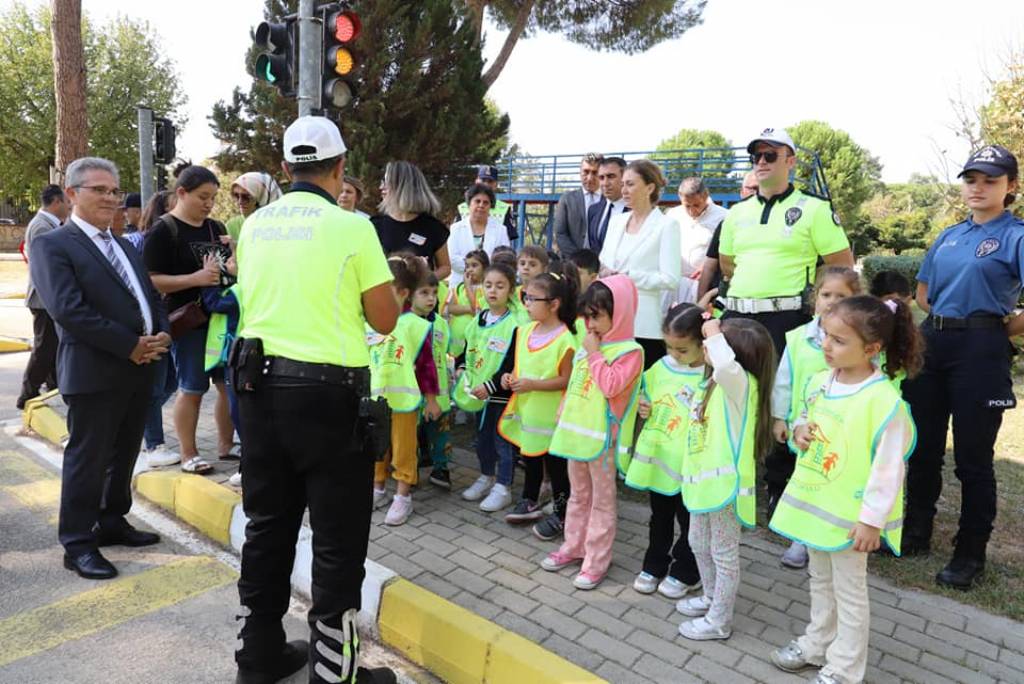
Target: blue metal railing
column 534, row 183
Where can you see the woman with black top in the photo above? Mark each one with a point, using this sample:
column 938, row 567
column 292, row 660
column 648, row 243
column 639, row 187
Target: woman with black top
column 184, row 252
column 406, row 222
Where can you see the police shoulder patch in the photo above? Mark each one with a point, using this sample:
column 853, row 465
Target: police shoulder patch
column 793, row 215
column 835, row 218
column 986, row 247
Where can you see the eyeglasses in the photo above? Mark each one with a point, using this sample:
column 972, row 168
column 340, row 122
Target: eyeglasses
column 238, row 197
column 770, row 157
column 112, row 193
column 527, row 299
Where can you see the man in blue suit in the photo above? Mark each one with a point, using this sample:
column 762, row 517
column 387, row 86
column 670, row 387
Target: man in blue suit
column 112, row 326
column 609, row 175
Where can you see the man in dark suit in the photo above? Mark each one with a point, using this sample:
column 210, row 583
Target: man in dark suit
column 610, row 178
column 111, row 326
column 571, row 211
column 42, row 363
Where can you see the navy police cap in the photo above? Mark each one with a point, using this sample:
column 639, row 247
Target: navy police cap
column 992, row 160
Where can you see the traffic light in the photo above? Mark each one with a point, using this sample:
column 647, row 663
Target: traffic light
column 342, row 27
column 165, row 144
column 276, row 59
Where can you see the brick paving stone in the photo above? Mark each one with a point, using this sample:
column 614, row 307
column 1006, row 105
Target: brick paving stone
column 585, row 657
column 954, row 671
column 761, row 670
column 522, row 626
column 561, row 601
column 431, row 561
column 469, row 581
column 441, row 587
column 511, row 600
column 557, row 622
column 657, row 670
column 613, row 648
column 925, row 607
column 517, row 583
column 714, row 672
column 876, row 676
column 483, row 607
column 961, row 638
column 472, row 562
column 768, row 598
column 907, row 671
column 435, row 545
column 719, row 651
column 520, row 566
column 900, row 649
column 899, row 617
column 614, row 672
column 930, row 644
column 674, row 652
column 1005, row 673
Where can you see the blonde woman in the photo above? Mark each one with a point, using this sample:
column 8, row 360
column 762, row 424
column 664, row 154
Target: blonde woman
column 407, row 220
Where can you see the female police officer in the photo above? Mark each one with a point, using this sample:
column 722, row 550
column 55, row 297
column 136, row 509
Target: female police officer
column 969, row 284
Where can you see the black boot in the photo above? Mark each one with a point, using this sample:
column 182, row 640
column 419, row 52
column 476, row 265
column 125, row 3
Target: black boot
column 967, row 566
column 292, row 659
column 917, row 535
column 377, row 675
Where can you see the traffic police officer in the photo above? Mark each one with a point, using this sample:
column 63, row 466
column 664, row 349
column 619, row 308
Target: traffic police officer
column 488, row 175
column 768, row 251
column 310, row 275
column 969, row 283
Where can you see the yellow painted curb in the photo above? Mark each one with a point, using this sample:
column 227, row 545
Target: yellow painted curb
column 11, row 344
column 200, row 502
column 12, row 295
column 44, row 420
column 463, row 648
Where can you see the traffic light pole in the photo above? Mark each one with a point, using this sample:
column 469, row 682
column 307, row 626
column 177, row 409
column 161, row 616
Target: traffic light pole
column 145, row 152
column 310, row 47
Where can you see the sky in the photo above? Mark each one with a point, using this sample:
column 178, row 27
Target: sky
column 884, row 71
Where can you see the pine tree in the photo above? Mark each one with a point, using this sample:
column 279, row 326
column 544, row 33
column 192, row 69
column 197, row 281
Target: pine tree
column 421, row 100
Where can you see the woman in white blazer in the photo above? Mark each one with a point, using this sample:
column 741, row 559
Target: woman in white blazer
column 477, row 230
column 644, row 245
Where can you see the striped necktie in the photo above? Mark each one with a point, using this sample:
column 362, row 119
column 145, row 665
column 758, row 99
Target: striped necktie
column 108, row 244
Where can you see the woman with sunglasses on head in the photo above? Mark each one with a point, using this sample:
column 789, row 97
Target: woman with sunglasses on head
column 249, row 192
column 969, row 283
column 769, row 249
column 407, row 221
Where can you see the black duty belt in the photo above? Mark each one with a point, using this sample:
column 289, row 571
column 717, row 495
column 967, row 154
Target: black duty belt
column 948, row 323
column 280, row 367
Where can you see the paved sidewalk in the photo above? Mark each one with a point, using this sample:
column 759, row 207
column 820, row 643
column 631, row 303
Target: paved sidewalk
column 479, row 562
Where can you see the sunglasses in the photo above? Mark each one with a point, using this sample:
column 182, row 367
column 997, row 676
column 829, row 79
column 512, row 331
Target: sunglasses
column 241, row 198
column 770, row 157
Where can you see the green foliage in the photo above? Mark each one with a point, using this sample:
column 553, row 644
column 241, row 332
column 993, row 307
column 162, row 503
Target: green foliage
column 124, row 66
column 904, row 230
column 690, row 163
column 906, row 264
column 629, row 26
column 421, row 100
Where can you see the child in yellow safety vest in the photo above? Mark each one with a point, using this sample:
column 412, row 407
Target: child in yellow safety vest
column 669, row 388
column 845, row 497
column 434, row 432
column 729, row 425
column 595, row 424
column 537, row 373
column 402, row 371
column 801, row 359
column 466, row 300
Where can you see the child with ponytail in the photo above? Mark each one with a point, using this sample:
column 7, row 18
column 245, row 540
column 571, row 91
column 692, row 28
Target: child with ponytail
column 845, row 497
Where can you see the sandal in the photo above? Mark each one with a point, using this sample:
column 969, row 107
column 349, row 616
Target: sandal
column 197, row 466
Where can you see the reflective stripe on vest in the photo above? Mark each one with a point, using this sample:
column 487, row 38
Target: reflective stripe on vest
column 586, row 422
column 823, row 499
column 529, row 419
column 393, row 362
column 486, row 347
column 657, row 461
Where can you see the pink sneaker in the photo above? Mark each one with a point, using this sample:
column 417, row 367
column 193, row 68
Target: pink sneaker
column 556, row 561
column 586, row 581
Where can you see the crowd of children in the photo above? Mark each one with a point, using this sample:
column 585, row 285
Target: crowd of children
column 540, row 354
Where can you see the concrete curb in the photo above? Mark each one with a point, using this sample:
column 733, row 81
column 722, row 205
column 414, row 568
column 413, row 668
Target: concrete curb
column 13, row 344
column 450, row 641
column 12, row 295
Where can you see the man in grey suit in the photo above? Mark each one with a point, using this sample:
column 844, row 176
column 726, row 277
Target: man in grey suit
column 42, row 363
column 571, row 210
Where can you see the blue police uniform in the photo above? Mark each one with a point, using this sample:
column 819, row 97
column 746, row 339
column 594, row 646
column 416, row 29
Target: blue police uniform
column 973, row 273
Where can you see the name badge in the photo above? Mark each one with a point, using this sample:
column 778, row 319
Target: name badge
column 417, row 239
column 496, row 344
column 373, row 338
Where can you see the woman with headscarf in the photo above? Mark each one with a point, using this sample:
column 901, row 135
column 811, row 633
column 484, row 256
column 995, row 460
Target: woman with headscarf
column 250, row 191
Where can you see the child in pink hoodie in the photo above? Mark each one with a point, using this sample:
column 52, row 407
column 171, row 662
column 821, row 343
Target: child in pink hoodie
column 595, row 426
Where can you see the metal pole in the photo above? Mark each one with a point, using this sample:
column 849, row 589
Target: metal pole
column 310, row 48
column 145, row 152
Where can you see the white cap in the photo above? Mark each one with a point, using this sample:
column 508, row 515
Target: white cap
column 318, row 135
column 774, row 137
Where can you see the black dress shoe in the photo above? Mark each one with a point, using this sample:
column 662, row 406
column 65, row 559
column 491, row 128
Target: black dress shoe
column 91, row 565
column 292, row 659
column 961, row 573
column 915, row 546
column 377, row 675
column 127, row 536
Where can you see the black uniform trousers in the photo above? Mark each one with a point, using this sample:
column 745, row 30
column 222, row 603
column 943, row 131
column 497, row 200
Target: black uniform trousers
column 663, row 557
column 105, row 430
column 967, row 376
column 42, row 363
column 780, row 461
column 301, row 450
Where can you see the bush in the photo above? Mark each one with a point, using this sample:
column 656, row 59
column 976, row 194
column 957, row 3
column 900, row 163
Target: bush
column 906, row 264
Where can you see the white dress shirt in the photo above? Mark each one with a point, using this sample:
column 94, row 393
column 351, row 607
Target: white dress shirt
column 590, row 198
column 95, row 234
column 694, row 236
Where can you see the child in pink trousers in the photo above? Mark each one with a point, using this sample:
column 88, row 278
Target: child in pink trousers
column 595, row 426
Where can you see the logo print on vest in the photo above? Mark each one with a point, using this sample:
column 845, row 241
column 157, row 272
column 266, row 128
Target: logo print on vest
column 822, row 461
column 581, row 387
column 664, row 416
column 986, row 247
column 793, row 215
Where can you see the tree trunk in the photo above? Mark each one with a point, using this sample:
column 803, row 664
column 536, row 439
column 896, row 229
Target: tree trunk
column 476, row 11
column 69, row 83
column 515, row 32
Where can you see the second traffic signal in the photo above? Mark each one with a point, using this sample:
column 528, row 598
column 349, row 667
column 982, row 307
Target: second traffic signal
column 342, row 28
column 276, row 45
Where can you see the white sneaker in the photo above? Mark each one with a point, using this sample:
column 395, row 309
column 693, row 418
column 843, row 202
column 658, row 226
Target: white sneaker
column 401, row 509
column 380, row 498
column 498, row 499
column 672, row 588
column 795, row 556
column 695, row 606
column 478, row 489
column 160, row 456
column 645, row 583
column 236, row 479
column 702, row 630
